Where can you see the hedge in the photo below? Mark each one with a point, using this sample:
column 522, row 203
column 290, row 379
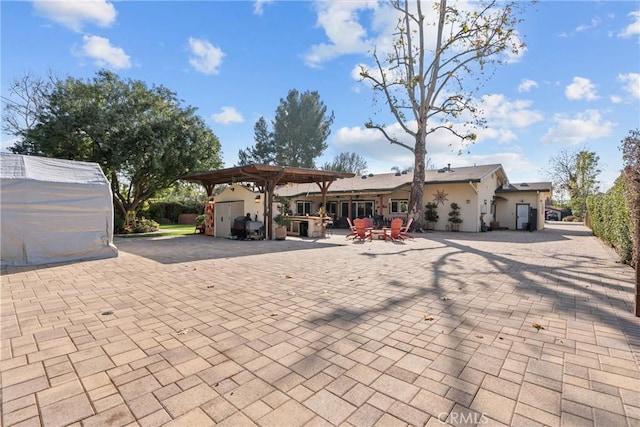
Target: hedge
column 610, row 219
column 159, row 211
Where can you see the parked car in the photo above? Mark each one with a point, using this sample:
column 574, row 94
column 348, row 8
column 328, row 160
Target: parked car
column 552, row 216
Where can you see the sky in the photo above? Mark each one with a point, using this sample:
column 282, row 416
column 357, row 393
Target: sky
column 575, row 86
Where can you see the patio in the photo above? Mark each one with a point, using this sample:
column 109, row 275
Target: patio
column 503, row 327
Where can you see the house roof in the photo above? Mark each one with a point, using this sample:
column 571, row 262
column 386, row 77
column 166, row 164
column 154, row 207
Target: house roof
column 388, row 182
column 525, row 186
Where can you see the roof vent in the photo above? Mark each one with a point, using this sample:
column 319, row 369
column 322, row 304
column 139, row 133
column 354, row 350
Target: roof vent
column 397, row 174
column 443, row 170
column 404, row 172
column 370, row 175
column 524, row 184
column 364, row 176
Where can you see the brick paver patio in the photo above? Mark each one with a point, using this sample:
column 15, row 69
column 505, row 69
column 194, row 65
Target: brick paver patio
column 497, row 328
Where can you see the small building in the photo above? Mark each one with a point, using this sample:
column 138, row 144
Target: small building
column 54, row 211
column 483, row 192
column 236, row 201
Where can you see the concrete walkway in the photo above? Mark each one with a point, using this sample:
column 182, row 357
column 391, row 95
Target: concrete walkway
column 497, row 328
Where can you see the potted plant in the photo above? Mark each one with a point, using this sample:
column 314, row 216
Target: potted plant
column 282, row 220
column 200, row 223
column 454, row 217
column 431, row 215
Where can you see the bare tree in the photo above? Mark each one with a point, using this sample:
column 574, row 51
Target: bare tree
column 26, row 101
column 425, row 87
column 574, row 172
column 562, row 172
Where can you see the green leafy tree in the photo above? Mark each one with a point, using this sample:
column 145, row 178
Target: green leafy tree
column 142, row 137
column 631, row 157
column 425, row 86
column 263, row 152
column 586, row 181
column 300, row 129
column 347, row 162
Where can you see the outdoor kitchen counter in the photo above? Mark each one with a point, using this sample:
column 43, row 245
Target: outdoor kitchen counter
column 306, row 226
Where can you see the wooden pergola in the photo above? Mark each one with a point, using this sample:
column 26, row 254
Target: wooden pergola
column 266, row 178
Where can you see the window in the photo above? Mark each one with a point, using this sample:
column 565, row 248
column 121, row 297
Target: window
column 399, row 206
column 359, row 209
column 303, row 208
column 332, row 209
column 362, row 209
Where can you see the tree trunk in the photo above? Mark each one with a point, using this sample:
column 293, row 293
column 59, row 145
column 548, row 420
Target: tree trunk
column 416, row 205
column 637, row 309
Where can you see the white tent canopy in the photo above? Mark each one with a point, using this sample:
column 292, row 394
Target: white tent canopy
column 53, row 210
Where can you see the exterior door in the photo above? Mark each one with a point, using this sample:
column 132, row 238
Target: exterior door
column 522, row 216
column 225, row 213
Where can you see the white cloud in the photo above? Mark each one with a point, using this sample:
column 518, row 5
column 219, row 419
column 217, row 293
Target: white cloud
column 376, row 147
column 227, row 115
column 632, row 29
column 578, row 129
column 631, row 83
column 594, row 23
column 346, row 35
column 581, row 88
column 347, row 32
column 500, row 112
column 205, row 57
column 76, row 14
column 258, row 6
column 517, row 165
column 499, row 135
column 526, row 85
column 615, row 99
column 103, row 53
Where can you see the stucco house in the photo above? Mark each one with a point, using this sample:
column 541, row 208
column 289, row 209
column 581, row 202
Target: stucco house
column 486, row 198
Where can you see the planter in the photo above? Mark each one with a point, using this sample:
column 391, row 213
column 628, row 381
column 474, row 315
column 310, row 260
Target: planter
column 455, row 226
column 430, row 225
column 280, row 233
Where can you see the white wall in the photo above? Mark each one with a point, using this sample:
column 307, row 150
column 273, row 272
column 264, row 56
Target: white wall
column 235, row 200
column 506, row 209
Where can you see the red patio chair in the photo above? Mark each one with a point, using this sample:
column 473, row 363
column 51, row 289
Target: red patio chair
column 393, row 233
column 404, row 231
column 362, row 233
column 352, row 229
column 368, row 222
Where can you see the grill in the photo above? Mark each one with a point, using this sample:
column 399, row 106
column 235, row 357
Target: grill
column 243, row 228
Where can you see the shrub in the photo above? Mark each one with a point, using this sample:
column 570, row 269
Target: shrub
column 454, row 214
column 171, row 210
column 143, row 225
column 431, row 212
column 611, row 220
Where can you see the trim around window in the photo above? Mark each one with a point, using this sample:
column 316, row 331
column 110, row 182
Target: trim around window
column 398, row 206
column 303, row 207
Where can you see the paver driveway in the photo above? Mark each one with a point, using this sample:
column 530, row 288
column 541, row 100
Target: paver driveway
column 198, row 331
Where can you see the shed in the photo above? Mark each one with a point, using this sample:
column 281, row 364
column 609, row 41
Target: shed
column 53, row 211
